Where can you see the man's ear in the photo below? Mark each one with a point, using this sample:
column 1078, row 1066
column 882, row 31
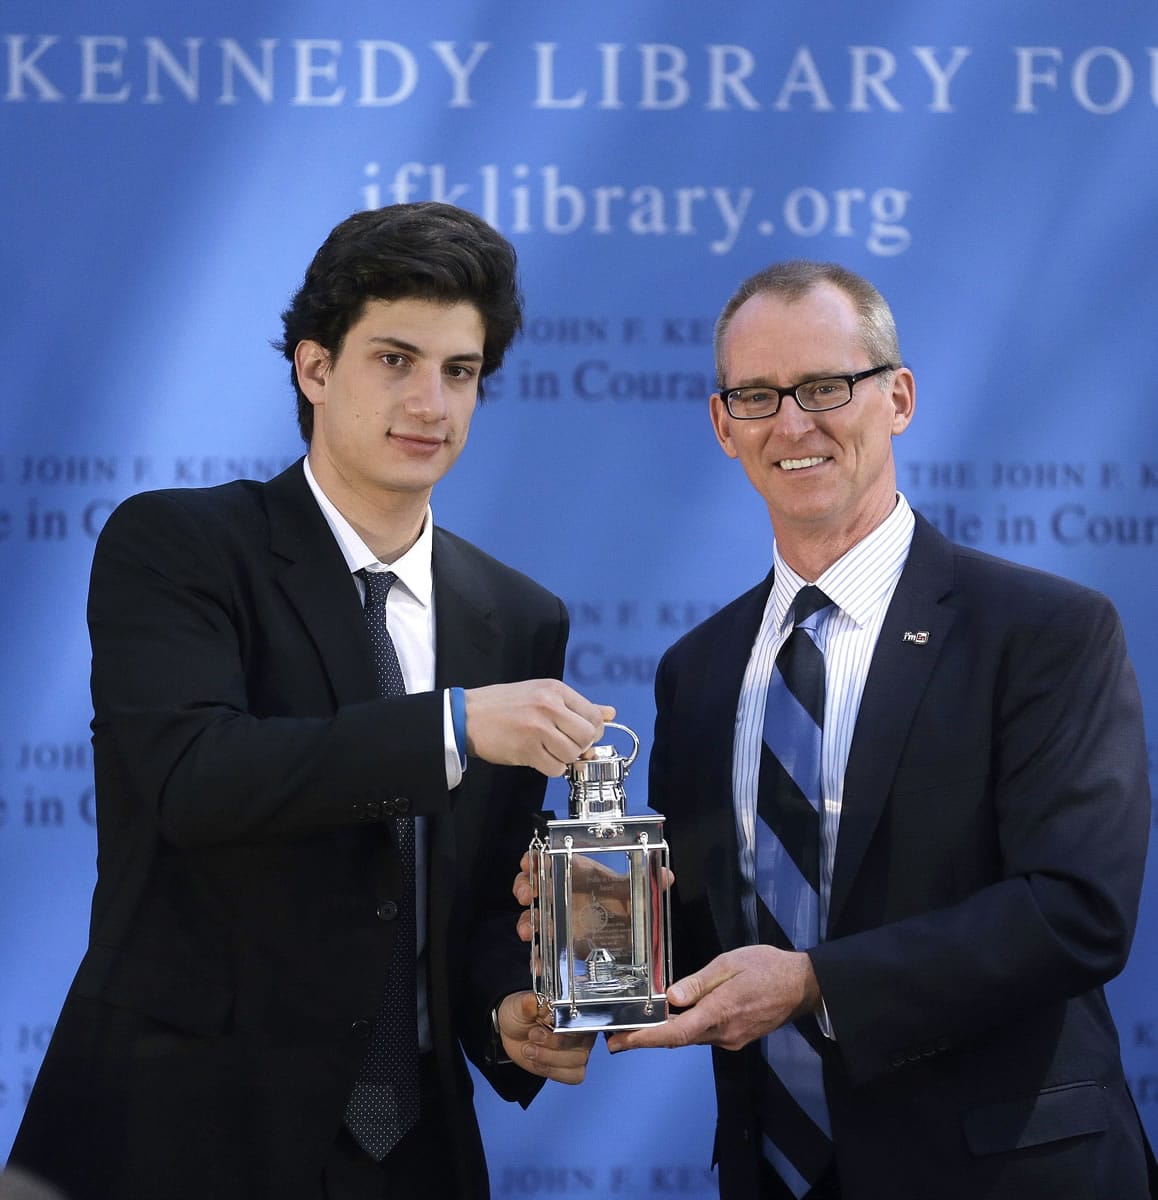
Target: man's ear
column 722, row 424
column 904, row 399
column 312, row 364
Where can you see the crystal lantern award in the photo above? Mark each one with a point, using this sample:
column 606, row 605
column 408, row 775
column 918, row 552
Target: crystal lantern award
column 601, row 941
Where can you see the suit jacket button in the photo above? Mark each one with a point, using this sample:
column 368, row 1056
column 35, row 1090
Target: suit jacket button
column 374, row 809
column 401, row 805
column 360, row 1030
column 897, row 1060
column 387, row 910
column 359, row 811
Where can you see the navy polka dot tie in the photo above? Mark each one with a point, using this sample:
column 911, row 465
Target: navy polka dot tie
column 384, row 1103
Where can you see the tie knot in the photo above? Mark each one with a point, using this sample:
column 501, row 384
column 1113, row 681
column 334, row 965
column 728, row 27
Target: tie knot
column 378, row 585
column 809, row 601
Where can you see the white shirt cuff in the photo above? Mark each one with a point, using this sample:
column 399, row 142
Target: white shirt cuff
column 454, row 770
column 825, row 1023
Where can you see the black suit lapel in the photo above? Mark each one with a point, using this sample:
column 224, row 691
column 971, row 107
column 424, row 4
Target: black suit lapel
column 316, row 579
column 467, row 653
column 720, row 696
column 468, row 640
column 910, row 643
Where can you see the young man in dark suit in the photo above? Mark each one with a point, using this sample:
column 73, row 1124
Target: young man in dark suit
column 310, row 799
column 908, row 842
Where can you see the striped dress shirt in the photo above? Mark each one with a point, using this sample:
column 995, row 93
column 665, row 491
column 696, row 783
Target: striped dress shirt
column 860, row 584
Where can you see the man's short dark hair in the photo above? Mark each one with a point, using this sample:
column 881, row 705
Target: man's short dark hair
column 425, row 251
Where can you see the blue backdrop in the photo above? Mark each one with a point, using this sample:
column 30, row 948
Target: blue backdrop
column 167, row 172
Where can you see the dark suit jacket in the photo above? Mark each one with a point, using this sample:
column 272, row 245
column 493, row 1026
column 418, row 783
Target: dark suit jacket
column 245, row 772
column 988, row 868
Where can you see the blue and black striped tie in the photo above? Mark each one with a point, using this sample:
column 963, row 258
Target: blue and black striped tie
column 794, row 1114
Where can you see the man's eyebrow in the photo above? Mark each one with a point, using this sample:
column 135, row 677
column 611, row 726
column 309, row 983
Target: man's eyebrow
column 410, row 348
column 813, row 377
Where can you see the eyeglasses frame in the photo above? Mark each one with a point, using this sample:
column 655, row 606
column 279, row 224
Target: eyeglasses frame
column 783, row 392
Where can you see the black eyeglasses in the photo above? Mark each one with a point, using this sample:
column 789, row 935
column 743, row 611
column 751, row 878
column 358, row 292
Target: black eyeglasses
column 813, row 395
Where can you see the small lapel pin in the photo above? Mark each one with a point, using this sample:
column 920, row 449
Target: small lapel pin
column 918, row 639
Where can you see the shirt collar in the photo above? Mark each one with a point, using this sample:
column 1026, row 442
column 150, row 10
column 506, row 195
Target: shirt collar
column 413, row 568
column 860, row 578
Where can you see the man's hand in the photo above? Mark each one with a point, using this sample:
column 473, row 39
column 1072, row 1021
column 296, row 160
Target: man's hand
column 540, row 723
column 533, row 1046
column 524, row 893
column 738, row 997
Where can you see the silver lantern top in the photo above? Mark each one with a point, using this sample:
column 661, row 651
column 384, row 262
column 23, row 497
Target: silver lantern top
column 597, row 780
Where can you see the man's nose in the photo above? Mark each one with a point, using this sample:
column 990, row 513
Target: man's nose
column 426, row 396
column 792, row 420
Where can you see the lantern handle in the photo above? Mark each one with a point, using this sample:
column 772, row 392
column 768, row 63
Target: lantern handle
column 634, row 741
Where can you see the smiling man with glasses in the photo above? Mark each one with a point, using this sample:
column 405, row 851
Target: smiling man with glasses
column 908, row 804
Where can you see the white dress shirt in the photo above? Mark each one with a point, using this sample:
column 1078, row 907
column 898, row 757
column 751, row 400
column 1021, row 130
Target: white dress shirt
column 409, row 608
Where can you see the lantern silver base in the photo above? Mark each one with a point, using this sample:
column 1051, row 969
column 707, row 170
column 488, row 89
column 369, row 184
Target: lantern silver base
column 597, row 1016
